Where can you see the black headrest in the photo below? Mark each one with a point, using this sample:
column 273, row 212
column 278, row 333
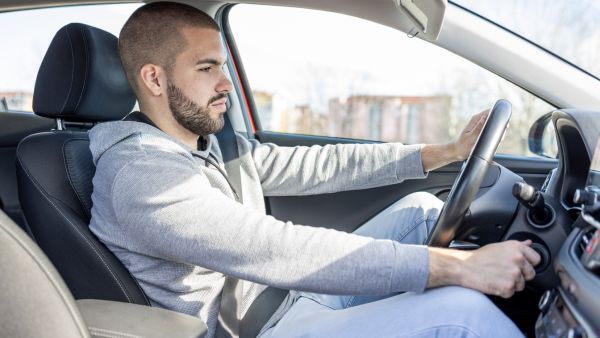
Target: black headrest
column 81, row 77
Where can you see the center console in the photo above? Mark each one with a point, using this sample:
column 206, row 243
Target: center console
column 573, row 308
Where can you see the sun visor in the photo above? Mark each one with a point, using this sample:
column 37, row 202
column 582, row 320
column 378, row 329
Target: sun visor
column 426, row 16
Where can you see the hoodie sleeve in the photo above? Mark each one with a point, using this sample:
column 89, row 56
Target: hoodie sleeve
column 168, row 210
column 286, row 171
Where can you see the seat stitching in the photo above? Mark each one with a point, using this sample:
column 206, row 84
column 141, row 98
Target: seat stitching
column 111, row 333
column 78, row 231
column 87, row 64
column 72, row 71
column 81, row 201
column 87, row 241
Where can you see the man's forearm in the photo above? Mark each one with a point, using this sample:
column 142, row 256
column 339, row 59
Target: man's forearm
column 445, row 267
column 434, row 156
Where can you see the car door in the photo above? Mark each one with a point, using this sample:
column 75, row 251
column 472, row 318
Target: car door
column 315, row 78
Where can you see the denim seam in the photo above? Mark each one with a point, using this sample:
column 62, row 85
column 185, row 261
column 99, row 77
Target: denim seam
column 453, row 326
column 316, row 301
column 419, row 221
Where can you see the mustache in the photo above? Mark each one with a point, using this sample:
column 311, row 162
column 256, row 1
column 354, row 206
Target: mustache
column 217, row 97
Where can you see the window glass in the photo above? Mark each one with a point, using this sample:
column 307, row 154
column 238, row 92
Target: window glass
column 27, row 35
column 346, row 77
column 569, row 29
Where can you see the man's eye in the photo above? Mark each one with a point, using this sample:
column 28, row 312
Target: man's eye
column 205, row 69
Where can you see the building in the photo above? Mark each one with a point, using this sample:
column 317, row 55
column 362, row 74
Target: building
column 408, row 119
column 17, row 100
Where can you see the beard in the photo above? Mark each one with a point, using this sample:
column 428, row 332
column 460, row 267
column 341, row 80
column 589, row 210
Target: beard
column 191, row 115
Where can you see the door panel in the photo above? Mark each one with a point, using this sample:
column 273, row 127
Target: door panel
column 346, row 211
column 14, row 126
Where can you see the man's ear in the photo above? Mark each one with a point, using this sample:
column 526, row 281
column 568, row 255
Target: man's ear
column 151, row 78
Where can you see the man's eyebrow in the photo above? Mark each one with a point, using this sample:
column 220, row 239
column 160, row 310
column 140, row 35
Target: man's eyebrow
column 209, row 61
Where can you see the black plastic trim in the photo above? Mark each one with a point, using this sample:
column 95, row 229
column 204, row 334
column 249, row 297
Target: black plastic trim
column 579, row 287
column 16, row 125
column 575, row 163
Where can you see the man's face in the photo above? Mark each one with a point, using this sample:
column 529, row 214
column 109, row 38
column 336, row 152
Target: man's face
column 197, row 87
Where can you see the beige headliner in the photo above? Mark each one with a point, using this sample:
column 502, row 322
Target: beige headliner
column 381, row 11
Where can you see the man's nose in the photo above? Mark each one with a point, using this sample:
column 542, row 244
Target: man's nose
column 224, row 84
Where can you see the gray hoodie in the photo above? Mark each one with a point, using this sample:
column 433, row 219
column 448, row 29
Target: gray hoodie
column 172, row 220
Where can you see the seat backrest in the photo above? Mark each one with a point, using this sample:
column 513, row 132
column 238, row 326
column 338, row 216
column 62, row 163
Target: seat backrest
column 35, row 300
column 81, row 81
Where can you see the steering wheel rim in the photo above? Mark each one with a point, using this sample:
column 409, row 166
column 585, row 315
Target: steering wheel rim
column 471, row 175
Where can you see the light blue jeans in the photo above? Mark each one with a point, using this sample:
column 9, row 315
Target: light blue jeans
column 443, row 312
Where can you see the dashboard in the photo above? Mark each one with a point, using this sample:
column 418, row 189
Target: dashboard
column 570, row 306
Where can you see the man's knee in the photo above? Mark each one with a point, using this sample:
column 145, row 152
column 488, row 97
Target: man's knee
column 420, row 209
column 424, row 200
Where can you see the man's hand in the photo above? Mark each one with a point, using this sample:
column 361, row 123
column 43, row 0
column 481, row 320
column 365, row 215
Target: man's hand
column 434, row 156
column 497, row 269
column 466, row 140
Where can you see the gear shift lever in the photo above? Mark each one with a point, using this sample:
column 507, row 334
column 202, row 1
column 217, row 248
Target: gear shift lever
column 540, row 213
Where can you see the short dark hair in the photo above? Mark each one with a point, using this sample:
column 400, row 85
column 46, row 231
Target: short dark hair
column 152, row 34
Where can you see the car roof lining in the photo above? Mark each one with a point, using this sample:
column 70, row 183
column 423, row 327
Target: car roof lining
column 381, row 11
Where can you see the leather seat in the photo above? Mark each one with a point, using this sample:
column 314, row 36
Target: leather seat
column 80, row 82
column 35, row 302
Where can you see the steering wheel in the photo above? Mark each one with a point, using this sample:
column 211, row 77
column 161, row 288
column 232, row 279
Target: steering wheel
column 471, row 175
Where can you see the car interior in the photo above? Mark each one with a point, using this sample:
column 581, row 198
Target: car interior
column 58, row 279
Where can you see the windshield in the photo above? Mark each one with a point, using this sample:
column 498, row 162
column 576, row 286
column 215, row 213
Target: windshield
column 569, row 29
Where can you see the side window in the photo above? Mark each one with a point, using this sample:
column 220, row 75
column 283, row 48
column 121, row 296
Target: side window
column 322, row 73
column 25, row 47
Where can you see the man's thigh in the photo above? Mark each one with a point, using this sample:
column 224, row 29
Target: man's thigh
column 443, row 312
column 408, row 221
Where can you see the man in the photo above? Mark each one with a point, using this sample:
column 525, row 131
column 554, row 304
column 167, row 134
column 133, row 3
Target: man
column 164, row 205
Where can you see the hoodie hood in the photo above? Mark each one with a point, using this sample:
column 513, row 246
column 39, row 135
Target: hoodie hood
column 106, row 135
